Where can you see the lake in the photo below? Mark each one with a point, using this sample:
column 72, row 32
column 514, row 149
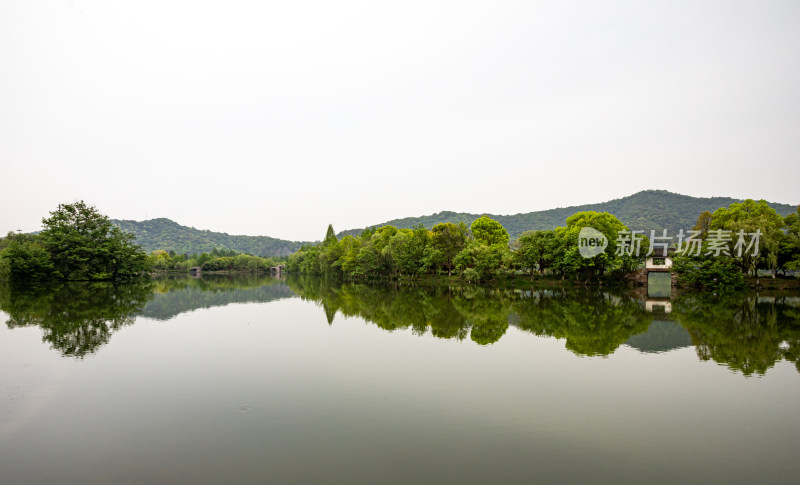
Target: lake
column 253, row 379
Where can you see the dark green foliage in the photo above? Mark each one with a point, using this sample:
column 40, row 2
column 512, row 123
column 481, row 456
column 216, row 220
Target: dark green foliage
column 216, row 260
column 721, row 273
column 165, row 234
column 388, row 252
column 646, row 210
column 778, row 248
column 77, row 243
column 537, row 250
column 448, row 239
column 486, row 261
column 749, row 216
column 25, row 258
column 84, row 245
column 789, row 246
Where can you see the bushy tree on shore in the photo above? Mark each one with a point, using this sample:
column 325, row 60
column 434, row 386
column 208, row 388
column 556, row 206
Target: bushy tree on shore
column 77, row 243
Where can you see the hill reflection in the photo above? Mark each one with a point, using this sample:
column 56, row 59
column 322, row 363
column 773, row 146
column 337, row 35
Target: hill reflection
column 748, row 334
column 79, row 318
column 175, row 295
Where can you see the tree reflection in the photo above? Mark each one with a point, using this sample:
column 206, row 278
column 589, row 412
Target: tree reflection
column 487, row 314
column 746, row 333
column 593, row 323
column 76, row 318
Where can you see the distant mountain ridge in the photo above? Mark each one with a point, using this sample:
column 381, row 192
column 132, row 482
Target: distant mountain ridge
column 646, row 210
column 168, row 235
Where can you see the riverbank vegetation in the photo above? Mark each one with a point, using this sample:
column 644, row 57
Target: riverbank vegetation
column 478, row 253
column 482, row 252
column 777, row 251
column 216, row 260
column 77, row 243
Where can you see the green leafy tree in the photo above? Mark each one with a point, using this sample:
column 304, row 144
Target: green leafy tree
column 703, row 223
column 449, row 239
column 537, row 250
column 330, row 253
column 432, row 259
column 486, row 261
column 26, row 259
column 488, row 231
column 748, row 217
column 720, row 273
column 571, row 259
column 407, row 249
column 330, row 236
column 84, row 245
column 789, row 250
column 348, row 260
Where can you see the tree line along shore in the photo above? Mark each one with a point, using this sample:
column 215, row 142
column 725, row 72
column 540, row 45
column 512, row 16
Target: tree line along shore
column 482, row 252
column 79, row 243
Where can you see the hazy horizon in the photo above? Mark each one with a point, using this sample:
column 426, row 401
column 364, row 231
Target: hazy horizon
column 267, row 118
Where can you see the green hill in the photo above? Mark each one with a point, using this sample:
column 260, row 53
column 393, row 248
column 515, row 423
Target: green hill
column 170, row 236
column 650, row 209
column 646, row 210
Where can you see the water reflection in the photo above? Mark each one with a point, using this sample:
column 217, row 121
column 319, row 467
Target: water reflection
column 179, row 294
column 79, row 318
column 661, row 336
column 593, row 323
column 746, row 333
column 76, row 318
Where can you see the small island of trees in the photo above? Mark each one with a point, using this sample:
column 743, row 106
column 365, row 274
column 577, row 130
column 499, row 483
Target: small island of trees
column 78, row 243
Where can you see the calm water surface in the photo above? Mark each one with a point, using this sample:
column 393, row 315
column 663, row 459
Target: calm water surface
column 258, row 380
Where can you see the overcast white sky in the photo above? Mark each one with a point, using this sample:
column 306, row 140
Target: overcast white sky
column 276, row 118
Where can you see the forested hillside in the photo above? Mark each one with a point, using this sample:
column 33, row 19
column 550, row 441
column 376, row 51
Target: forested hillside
column 646, row 210
column 168, row 235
